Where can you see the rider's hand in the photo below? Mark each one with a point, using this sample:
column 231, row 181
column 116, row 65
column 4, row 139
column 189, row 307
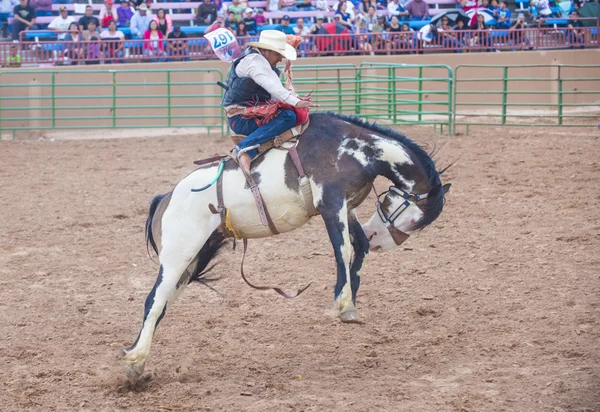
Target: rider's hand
column 305, row 104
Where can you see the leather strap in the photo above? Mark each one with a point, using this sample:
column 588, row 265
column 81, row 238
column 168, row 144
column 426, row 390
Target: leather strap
column 276, row 289
column 304, row 183
column 209, row 160
column 296, row 159
column 263, row 212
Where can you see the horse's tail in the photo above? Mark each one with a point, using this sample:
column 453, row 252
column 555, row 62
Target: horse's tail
column 150, row 241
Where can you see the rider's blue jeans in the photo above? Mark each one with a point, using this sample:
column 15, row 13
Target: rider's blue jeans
column 259, row 135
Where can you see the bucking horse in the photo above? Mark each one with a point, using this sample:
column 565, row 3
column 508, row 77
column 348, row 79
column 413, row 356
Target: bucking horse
column 340, row 156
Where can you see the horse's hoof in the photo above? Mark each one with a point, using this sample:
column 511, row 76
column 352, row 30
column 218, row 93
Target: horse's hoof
column 134, row 372
column 350, row 316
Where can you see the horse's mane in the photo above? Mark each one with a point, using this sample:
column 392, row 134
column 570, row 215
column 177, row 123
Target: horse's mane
column 435, row 203
column 421, row 155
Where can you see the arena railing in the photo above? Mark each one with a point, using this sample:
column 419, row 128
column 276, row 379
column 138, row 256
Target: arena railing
column 110, row 99
column 551, row 95
column 53, row 52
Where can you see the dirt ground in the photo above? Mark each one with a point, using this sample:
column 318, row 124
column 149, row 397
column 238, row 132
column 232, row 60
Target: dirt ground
column 495, row 307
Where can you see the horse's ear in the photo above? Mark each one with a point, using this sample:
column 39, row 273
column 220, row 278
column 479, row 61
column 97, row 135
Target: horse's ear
column 446, row 188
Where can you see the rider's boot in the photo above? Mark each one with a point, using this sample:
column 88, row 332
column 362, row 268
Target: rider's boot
column 244, row 162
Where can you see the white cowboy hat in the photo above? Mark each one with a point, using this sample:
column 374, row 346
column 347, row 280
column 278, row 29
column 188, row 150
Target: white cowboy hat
column 276, row 41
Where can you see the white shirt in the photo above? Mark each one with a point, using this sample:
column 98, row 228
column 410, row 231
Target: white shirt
column 304, row 32
column 424, row 32
column 256, row 67
column 393, row 8
column 323, row 5
column 106, row 35
column 61, row 24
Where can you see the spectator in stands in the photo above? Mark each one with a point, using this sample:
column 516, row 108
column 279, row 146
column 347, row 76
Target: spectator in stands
column 396, row 9
column 113, row 42
column 231, row 22
column 153, row 42
column 503, row 16
column 177, row 45
column 517, row 35
column 323, row 5
column 427, row 34
column 418, row 10
column 381, row 25
column 304, row 5
column 61, row 23
column 87, row 17
column 344, row 18
column 320, row 43
column 241, row 31
column 380, row 39
column 370, row 18
column 221, row 8
column 107, row 13
column 318, row 28
column 237, row 9
column 382, row 5
column 493, row 7
column 394, row 30
column 576, row 32
column 285, row 25
column 73, row 48
column 532, row 12
column 6, row 8
column 363, row 6
column 407, row 40
column 272, row 5
column 42, row 7
column 165, row 25
column 125, row 13
column 14, row 58
column 301, row 29
column 250, row 22
column 543, row 7
column 482, row 37
column 349, row 8
column 92, row 43
column 140, row 21
column 207, row 13
column 216, row 25
column 449, row 37
column 260, row 18
column 461, row 32
column 24, row 19
column 362, row 41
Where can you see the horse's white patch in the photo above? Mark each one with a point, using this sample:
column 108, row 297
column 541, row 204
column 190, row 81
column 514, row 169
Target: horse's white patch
column 357, row 153
column 344, row 301
column 317, row 191
column 394, row 153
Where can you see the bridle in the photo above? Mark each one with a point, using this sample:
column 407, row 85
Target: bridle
column 409, row 199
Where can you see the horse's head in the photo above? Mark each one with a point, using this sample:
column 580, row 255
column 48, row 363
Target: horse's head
column 401, row 213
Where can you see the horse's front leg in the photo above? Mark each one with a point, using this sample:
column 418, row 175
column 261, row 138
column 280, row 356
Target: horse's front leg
column 360, row 244
column 335, row 215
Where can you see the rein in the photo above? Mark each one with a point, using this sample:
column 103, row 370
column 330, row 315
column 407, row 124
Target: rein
column 409, row 199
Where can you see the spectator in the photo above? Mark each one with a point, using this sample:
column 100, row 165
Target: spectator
column 343, row 18
column 305, row 5
column 418, row 10
column 42, row 8
column 260, row 18
column 301, row 29
column 382, row 5
column 532, row 12
column 61, row 23
column 286, row 5
column 397, row 9
column 379, row 40
column 165, row 25
column 221, row 8
column 381, row 25
column 493, row 7
column 543, row 7
column 6, row 9
column 576, row 32
column 272, row 5
column 207, row 13
column 426, row 35
column 408, row 37
column 153, row 42
column 125, row 13
column 250, row 22
column 92, row 39
column 140, row 21
column 231, row 22
column 285, row 25
column 370, row 18
column 461, row 33
column 318, row 28
column 503, row 16
column 86, row 18
column 241, row 31
column 349, row 8
column 14, row 58
column 113, row 42
column 517, row 33
column 449, row 37
column 482, row 36
column 177, row 46
column 364, row 5
column 237, row 9
column 74, row 45
column 394, row 37
column 362, row 41
column 107, row 13
column 323, row 5
column 24, row 19
column 216, row 25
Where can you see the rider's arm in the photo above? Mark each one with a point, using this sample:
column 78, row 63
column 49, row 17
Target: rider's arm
column 258, row 69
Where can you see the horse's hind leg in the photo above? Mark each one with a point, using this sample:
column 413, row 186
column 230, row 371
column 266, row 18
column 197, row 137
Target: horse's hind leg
column 182, row 239
column 360, row 244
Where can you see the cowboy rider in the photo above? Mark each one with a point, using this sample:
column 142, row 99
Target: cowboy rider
column 254, row 79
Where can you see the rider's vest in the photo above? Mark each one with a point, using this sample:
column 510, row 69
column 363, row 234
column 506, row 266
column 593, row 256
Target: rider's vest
column 244, row 90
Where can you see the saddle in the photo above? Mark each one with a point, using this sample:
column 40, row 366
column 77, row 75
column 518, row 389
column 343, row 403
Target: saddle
column 288, row 141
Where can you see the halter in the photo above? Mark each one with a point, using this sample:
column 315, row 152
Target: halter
column 409, row 199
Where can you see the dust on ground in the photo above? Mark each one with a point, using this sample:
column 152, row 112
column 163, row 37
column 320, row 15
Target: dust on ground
column 495, row 307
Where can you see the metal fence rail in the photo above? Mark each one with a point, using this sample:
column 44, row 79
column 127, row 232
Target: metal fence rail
column 517, row 94
column 67, row 99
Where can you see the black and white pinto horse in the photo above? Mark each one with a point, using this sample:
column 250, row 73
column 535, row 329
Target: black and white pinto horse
column 342, row 156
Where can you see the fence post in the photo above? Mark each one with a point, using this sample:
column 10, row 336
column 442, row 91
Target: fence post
column 504, row 93
column 169, row 99
column 420, row 90
column 389, row 96
column 53, row 101
column 393, row 90
column 357, row 90
column 560, row 97
column 114, row 98
column 339, row 83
